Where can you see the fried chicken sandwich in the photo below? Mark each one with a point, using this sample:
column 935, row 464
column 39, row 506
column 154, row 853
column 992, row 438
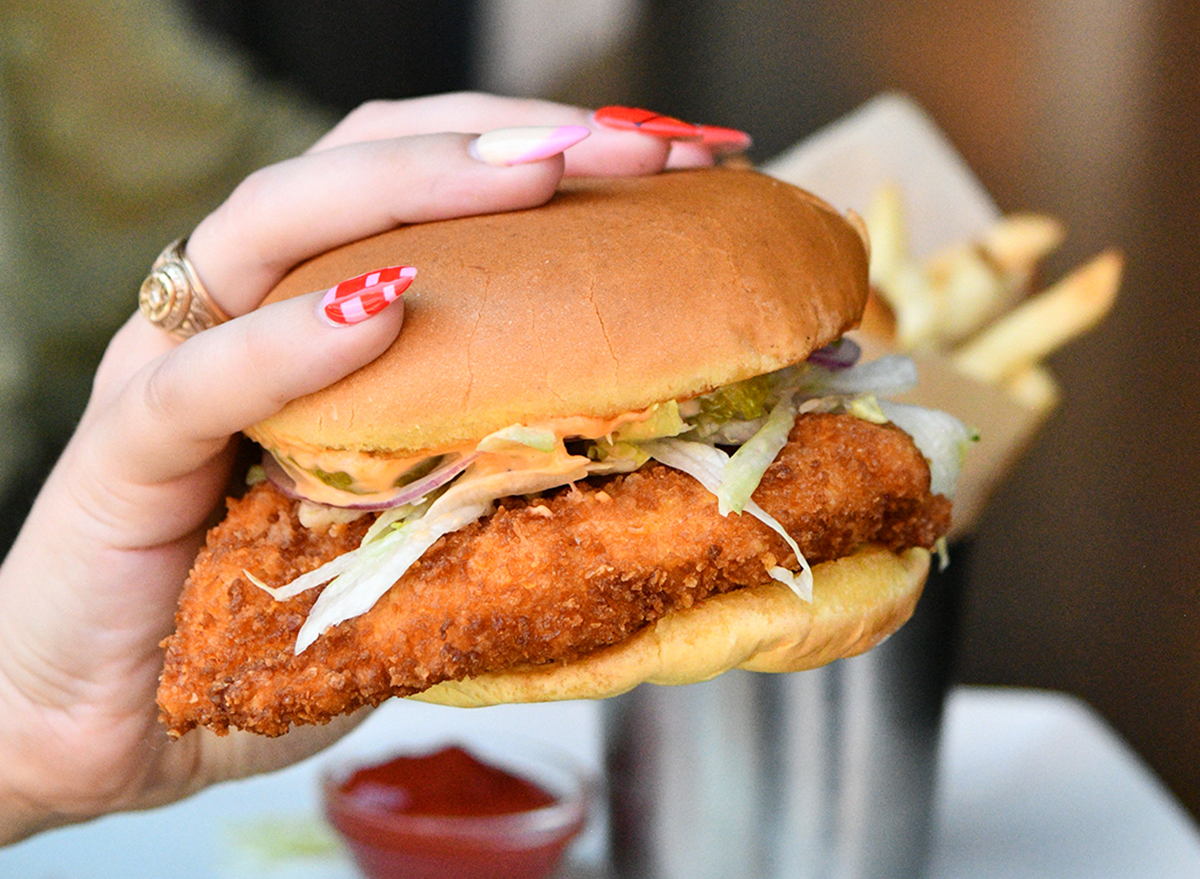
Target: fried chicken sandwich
column 619, row 439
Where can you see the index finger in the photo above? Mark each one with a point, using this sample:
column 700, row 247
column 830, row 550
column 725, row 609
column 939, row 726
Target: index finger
column 192, row 398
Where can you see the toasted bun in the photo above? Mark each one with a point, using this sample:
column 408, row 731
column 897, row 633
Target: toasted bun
column 616, row 295
column 857, row 602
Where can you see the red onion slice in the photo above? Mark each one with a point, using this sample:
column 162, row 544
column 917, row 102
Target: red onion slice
column 841, row 354
column 279, row 477
column 415, row 490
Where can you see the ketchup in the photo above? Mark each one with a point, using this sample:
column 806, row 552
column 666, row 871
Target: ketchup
column 446, row 782
column 447, row 814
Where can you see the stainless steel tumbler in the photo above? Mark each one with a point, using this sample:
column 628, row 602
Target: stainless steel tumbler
column 828, row 773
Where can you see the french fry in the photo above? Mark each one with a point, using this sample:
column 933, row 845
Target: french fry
column 916, row 311
column 1034, row 388
column 949, row 296
column 969, row 289
column 1020, row 241
column 884, row 219
column 995, row 274
column 970, row 295
column 1044, row 322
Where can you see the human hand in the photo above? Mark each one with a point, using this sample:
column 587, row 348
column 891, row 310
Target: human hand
column 89, row 589
column 609, row 152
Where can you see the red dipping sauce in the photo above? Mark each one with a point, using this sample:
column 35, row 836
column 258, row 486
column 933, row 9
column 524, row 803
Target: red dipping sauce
column 449, row 814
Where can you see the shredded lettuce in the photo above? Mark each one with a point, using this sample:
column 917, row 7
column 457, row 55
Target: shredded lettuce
column 706, row 464
column 867, row 408
column 731, row 433
column 540, row 438
column 380, row 564
column 747, row 465
column 942, row 549
column 941, row 437
column 393, row 518
column 889, row 375
column 612, row 457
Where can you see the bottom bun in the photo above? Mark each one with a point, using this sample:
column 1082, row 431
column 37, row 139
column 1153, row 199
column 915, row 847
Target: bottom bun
column 857, row 602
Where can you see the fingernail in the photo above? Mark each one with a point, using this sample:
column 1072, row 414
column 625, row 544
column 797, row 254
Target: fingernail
column 634, row 119
column 724, row 140
column 517, row 146
column 357, row 299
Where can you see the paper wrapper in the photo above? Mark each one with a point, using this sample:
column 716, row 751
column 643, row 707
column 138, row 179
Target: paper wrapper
column 890, row 140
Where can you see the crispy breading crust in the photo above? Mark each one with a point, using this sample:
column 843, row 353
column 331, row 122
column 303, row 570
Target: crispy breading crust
column 544, row 580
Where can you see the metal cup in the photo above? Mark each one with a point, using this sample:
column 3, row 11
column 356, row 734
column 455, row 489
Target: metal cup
column 827, row 773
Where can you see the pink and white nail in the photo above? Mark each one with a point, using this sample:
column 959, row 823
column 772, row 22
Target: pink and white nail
column 518, row 146
column 354, row 300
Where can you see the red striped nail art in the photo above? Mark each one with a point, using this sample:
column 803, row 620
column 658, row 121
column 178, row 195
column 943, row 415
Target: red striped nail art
column 354, row 300
column 634, row 119
column 724, row 140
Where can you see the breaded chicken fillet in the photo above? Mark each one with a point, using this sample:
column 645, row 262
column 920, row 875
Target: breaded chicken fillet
column 543, row 580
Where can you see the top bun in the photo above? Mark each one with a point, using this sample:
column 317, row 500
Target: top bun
column 617, row 294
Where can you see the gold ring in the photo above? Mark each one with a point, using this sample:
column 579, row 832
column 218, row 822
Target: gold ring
column 172, row 297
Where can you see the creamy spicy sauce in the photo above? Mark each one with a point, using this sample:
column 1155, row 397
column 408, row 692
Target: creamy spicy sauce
column 344, row 477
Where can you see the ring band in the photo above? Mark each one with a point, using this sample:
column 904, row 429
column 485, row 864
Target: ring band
column 172, row 297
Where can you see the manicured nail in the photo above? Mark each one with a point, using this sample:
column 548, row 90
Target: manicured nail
column 517, row 146
column 724, row 140
column 634, row 119
column 357, row 299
